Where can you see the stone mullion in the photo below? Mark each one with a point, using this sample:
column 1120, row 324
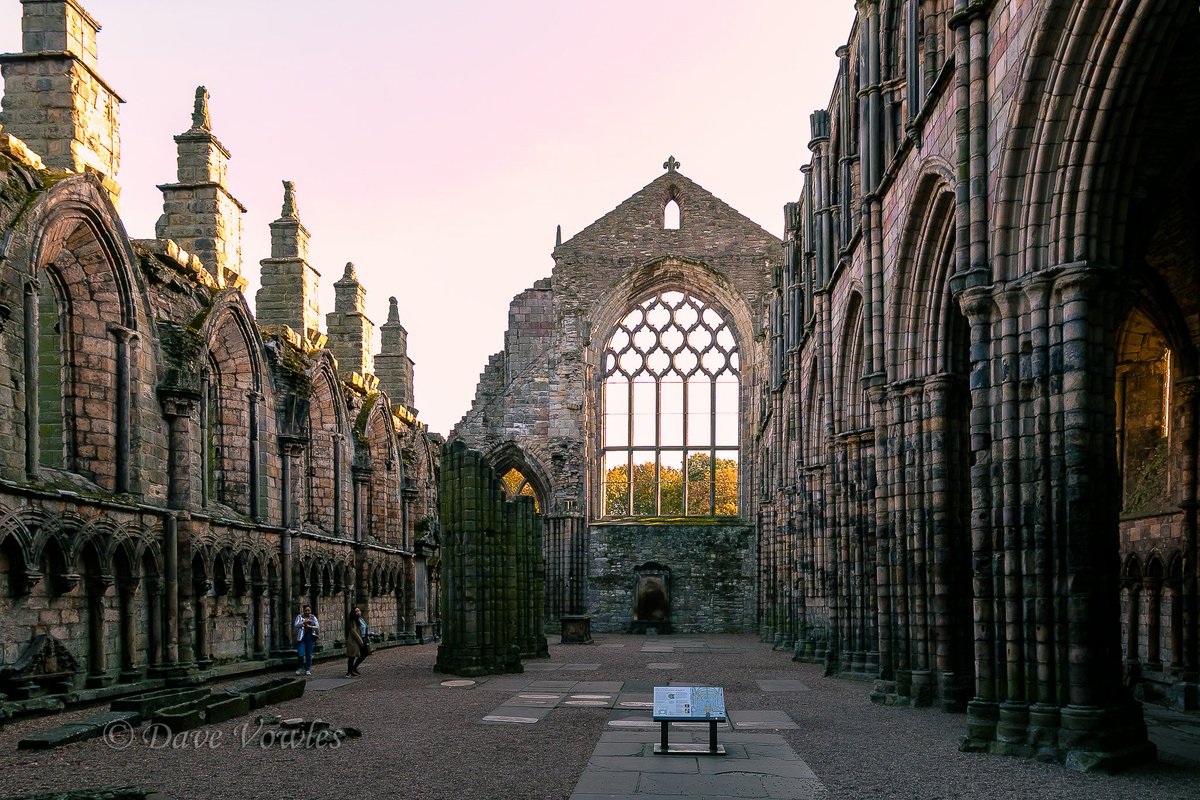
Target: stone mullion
column 125, row 341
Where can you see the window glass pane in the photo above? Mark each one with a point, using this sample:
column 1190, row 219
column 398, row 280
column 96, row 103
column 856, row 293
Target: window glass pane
column 643, row 411
column 699, row 421
column 727, row 482
column 671, row 415
column 670, row 481
column 616, row 484
column 643, row 484
column 698, row 484
column 616, row 396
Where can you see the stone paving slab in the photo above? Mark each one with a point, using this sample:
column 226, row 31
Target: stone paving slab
column 599, row 686
column 543, row 667
column 324, row 684
column 782, row 686
column 664, row 665
column 611, row 644
column 551, row 686
column 507, row 684
column 762, row 720
column 535, row 700
column 623, row 767
column 515, row 715
column 590, row 700
column 580, row 667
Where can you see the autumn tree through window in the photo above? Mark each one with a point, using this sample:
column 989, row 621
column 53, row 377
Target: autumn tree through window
column 670, row 411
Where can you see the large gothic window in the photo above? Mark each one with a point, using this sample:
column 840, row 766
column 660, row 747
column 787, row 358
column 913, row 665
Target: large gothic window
column 670, row 415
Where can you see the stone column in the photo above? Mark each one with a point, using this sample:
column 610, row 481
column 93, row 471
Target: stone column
column 1131, row 623
column 983, row 709
column 155, row 628
column 256, row 513
column 125, row 341
column 1153, row 623
column 257, row 590
column 128, row 598
column 97, row 587
column 1189, row 432
column 203, row 656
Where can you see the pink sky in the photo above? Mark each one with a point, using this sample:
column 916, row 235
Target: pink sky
column 437, row 145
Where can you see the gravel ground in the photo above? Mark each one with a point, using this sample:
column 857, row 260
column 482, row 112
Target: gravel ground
column 422, row 740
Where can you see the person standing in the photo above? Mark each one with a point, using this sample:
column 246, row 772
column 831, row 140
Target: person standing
column 356, row 642
column 307, row 627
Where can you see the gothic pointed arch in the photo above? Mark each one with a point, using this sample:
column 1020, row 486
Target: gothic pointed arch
column 1080, row 132
column 521, row 474
column 86, row 310
column 329, row 453
column 385, row 513
column 237, row 415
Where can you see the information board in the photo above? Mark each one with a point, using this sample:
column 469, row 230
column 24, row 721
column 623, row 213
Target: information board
column 689, row 703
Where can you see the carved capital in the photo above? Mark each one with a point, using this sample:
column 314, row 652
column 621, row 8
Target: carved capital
column 177, row 401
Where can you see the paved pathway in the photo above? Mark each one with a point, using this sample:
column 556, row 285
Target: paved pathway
column 577, row 725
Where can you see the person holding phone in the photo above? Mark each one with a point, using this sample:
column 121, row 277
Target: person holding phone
column 307, row 627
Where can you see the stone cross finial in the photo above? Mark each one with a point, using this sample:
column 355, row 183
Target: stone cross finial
column 200, row 119
column 289, row 200
column 393, row 310
column 670, row 165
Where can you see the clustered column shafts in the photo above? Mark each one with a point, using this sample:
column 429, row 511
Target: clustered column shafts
column 492, row 549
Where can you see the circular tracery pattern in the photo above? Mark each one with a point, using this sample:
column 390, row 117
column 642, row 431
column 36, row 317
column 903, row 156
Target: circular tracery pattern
column 670, row 402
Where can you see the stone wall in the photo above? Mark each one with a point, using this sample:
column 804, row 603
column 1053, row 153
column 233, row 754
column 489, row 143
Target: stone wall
column 536, row 405
column 964, row 328
column 177, row 478
column 493, row 573
column 711, row 568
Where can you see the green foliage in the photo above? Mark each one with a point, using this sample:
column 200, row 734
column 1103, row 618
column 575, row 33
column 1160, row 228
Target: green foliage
column 616, row 490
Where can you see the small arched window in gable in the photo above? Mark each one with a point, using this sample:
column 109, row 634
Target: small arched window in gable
column 671, row 215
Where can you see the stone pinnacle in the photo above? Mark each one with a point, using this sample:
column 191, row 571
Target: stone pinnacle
column 393, row 310
column 200, row 118
column 289, row 201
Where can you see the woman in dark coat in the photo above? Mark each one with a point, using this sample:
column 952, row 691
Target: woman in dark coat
column 356, row 645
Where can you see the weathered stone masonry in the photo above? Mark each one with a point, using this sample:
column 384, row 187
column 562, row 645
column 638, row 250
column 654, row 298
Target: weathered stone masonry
column 982, row 424
column 175, row 476
column 537, row 406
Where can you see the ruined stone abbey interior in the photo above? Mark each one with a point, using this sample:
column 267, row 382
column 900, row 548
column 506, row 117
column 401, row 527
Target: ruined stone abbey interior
column 942, row 438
